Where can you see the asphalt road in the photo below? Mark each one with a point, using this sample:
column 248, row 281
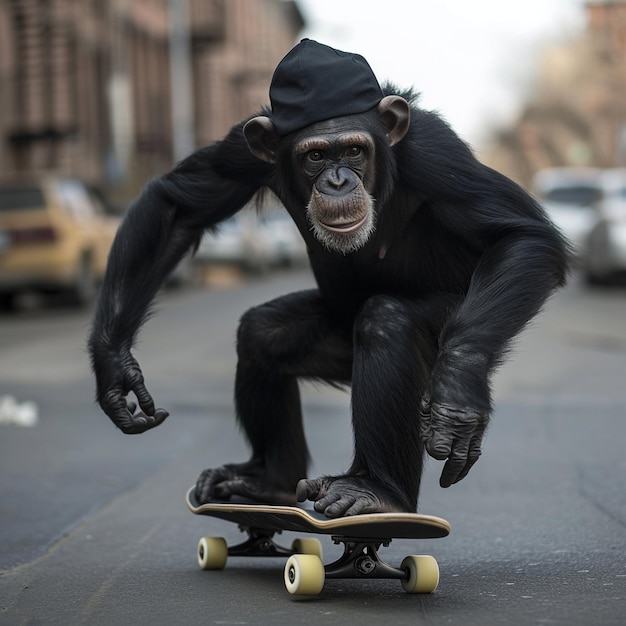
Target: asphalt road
column 94, row 530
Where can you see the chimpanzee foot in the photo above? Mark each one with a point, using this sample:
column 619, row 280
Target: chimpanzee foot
column 245, row 479
column 339, row 496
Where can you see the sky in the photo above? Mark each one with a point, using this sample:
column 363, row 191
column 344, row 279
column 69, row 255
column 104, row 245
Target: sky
column 473, row 61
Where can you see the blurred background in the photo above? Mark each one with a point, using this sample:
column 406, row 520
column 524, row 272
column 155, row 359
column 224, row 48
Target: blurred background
column 98, row 96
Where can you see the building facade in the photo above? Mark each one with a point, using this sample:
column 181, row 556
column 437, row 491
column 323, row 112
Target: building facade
column 90, row 88
column 577, row 113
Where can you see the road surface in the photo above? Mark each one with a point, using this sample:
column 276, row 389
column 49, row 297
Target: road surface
column 94, row 530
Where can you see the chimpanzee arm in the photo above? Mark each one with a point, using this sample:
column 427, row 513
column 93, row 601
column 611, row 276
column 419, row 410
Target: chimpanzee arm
column 520, row 267
column 165, row 221
column 523, row 260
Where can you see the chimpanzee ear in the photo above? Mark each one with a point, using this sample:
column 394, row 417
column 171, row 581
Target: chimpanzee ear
column 396, row 115
column 262, row 138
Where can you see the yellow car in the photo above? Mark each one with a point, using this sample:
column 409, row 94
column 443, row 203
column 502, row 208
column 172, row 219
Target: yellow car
column 55, row 237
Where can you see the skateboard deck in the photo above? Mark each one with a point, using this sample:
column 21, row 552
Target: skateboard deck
column 361, row 536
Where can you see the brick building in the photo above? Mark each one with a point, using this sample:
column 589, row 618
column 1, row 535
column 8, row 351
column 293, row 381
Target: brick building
column 86, row 89
column 577, row 113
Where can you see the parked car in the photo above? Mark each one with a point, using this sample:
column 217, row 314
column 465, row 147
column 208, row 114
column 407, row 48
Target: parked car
column 55, row 236
column 254, row 241
column 237, row 241
column 604, row 258
column 287, row 248
column 569, row 196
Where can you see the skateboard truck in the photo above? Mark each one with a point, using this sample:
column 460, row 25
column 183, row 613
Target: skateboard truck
column 213, row 552
column 305, row 574
column 259, row 543
column 360, row 559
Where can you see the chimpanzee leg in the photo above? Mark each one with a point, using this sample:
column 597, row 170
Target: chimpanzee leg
column 278, row 342
column 395, row 348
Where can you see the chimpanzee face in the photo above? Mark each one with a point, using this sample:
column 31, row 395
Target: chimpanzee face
column 336, row 163
column 333, row 165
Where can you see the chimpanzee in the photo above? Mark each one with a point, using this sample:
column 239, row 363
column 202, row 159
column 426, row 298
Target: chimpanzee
column 427, row 264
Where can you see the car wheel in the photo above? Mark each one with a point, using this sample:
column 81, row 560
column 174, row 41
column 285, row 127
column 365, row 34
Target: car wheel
column 597, row 279
column 7, row 301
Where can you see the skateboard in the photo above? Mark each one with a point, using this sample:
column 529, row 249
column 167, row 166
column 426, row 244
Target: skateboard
column 305, row 573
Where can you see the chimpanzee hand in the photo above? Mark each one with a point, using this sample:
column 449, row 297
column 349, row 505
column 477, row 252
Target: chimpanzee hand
column 454, row 434
column 117, row 374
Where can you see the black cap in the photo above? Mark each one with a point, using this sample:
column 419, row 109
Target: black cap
column 315, row 82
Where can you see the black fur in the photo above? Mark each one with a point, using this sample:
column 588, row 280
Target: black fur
column 415, row 321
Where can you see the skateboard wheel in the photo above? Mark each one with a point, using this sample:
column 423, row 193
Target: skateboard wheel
column 422, row 574
column 304, row 575
column 307, row 546
column 212, row 553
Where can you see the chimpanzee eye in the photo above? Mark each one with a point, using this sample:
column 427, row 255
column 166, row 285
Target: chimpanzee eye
column 354, row 151
column 316, row 155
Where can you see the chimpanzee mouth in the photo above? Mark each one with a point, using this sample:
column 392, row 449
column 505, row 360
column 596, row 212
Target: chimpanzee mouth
column 346, row 227
column 341, row 232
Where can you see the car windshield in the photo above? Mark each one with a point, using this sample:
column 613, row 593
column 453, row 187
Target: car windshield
column 581, row 195
column 20, row 198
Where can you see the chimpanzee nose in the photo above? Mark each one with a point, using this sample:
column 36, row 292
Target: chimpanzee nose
column 337, row 179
